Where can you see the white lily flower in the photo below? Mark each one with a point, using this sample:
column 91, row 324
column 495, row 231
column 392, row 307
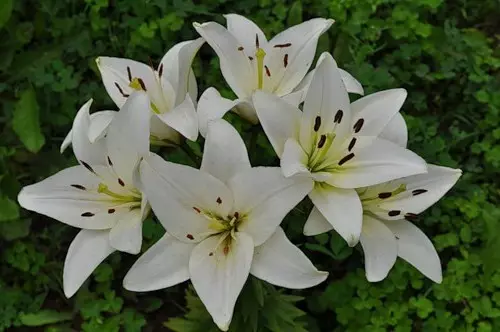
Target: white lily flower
column 222, row 224
column 249, row 63
column 98, row 196
column 335, row 144
column 171, row 88
column 388, row 209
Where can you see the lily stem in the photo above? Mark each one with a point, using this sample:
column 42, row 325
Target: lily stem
column 187, row 150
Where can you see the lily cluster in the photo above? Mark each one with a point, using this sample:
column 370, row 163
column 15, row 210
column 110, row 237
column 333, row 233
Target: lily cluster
column 222, row 221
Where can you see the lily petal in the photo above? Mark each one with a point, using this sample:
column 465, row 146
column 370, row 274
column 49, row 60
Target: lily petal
column 128, row 137
column 212, row 106
column 71, row 197
column 177, row 193
column 218, row 274
column 342, row 208
column 163, row 265
column 86, row 252
column 176, row 67
column 182, row 118
column 298, row 44
column 378, row 162
column 85, row 151
column 126, row 235
column 245, row 31
column 294, row 159
column 396, row 131
column 264, row 196
column 116, row 78
column 376, row 111
column 225, row 153
column 279, row 119
column 422, row 190
column 326, row 107
column 416, row 248
column 380, row 248
column 281, row 263
column 316, row 223
column 234, row 64
column 99, row 122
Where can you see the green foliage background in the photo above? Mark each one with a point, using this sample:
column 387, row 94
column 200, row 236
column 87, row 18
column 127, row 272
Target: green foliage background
column 445, row 53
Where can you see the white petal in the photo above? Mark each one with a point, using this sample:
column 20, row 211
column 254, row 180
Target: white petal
column 162, row 134
column 68, row 195
column 177, row 67
column 325, row 98
column 99, row 122
column 128, row 136
column 244, row 30
column 416, row 248
column 182, row 118
column 225, row 153
column 380, row 248
column 342, row 208
column 175, row 192
column 376, row 111
column 84, row 150
column 300, row 54
column 280, row 263
column 246, row 111
column 294, row 98
column 279, row 119
column 212, row 106
column 114, row 72
column 316, row 223
column 434, row 184
column 378, row 162
column 126, row 235
column 218, row 275
column 163, row 265
column 351, row 84
column 234, row 64
column 396, row 131
column 86, row 252
column 294, row 159
column 264, row 197
column 67, row 141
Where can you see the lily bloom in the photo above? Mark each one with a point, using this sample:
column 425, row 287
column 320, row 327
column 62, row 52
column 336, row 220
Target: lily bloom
column 388, row 212
column 171, row 88
column 249, row 63
column 335, row 144
column 98, row 195
column 222, row 224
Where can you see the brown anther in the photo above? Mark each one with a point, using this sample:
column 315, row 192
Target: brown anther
column 411, row 216
column 219, row 201
column 268, row 73
column 236, row 215
column 418, row 192
column 196, row 209
column 109, row 161
column 257, row 44
column 358, row 125
column 120, row 181
column 317, row 123
column 78, row 186
column 250, row 58
column 394, row 213
column 87, row 166
column 384, row 195
column 210, row 254
column 87, row 214
column 285, row 60
column 338, row 116
column 121, row 91
column 141, row 82
column 160, row 70
column 322, row 141
column 190, row 236
column 241, row 48
column 283, row 45
column 129, row 73
column 346, row 159
column 110, row 211
column 226, row 250
column 351, row 144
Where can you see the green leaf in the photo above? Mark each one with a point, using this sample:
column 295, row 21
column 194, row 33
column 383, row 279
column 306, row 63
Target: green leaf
column 5, row 11
column 15, row 229
column 9, row 210
column 295, row 14
column 26, row 122
column 44, row 317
